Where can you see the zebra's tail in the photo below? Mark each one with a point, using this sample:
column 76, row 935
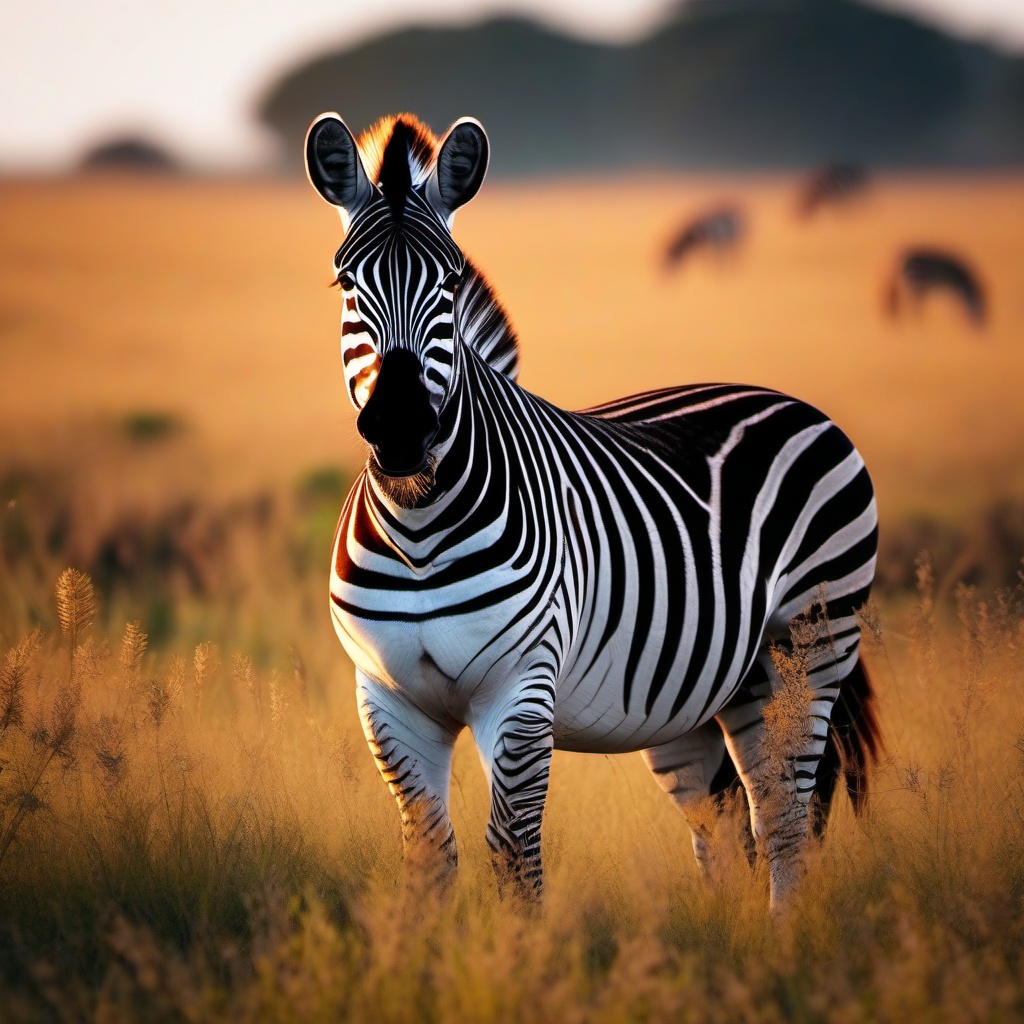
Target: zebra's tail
column 855, row 741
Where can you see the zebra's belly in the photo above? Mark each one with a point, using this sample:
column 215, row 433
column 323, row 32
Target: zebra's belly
column 591, row 715
column 602, row 727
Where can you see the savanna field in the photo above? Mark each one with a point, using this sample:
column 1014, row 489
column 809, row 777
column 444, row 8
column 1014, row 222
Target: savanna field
column 191, row 827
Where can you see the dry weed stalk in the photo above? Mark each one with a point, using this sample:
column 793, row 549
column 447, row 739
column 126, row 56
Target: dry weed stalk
column 205, row 662
column 336, row 749
column 705, row 817
column 51, row 739
column 869, row 615
column 244, row 674
column 133, row 647
column 1007, row 617
column 299, row 674
column 924, row 615
column 872, row 631
column 787, row 714
column 974, row 624
column 90, row 657
column 158, row 700
column 176, row 680
column 58, row 737
column 109, row 749
column 278, row 703
column 976, row 640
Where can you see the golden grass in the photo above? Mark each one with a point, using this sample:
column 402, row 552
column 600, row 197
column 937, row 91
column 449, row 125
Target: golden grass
column 180, row 855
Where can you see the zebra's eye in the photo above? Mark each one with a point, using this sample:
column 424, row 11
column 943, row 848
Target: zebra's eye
column 451, row 282
column 347, row 281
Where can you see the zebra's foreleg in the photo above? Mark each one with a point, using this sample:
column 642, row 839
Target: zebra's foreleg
column 517, row 755
column 692, row 770
column 414, row 756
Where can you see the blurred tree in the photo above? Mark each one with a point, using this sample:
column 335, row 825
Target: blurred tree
column 761, row 83
column 129, row 153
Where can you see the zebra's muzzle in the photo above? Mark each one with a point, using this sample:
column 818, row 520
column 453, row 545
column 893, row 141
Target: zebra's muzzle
column 398, row 420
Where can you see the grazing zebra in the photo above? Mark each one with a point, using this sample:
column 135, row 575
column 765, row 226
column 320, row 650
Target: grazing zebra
column 720, row 229
column 613, row 580
column 832, row 183
column 921, row 271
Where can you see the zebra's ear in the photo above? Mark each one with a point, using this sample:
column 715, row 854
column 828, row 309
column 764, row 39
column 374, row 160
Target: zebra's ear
column 334, row 165
column 461, row 165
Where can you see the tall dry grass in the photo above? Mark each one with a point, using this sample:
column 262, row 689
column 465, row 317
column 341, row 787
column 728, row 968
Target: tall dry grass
column 199, row 839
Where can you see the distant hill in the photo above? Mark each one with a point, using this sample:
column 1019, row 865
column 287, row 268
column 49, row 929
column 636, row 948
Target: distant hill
column 129, row 154
column 738, row 83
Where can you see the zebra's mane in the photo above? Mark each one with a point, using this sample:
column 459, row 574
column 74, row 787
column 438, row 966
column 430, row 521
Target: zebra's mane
column 483, row 323
column 399, row 153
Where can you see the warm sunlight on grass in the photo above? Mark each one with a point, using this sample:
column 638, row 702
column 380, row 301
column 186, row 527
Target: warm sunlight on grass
column 188, row 837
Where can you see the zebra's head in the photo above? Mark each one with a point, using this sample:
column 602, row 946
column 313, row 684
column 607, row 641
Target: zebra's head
column 397, row 191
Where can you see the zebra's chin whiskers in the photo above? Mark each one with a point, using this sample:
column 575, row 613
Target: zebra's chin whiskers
column 404, row 491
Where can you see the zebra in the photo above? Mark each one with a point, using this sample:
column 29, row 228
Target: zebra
column 920, row 271
column 835, row 182
column 720, row 229
column 619, row 579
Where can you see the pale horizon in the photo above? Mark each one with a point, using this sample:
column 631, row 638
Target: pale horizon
column 189, row 79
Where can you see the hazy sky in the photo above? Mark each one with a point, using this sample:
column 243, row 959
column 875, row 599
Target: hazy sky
column 187, row 72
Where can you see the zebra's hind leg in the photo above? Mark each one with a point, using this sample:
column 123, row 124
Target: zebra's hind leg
column 695, row 770
column 414, row 757
column 778, row 759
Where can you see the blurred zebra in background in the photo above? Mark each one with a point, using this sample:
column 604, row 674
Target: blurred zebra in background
column 719, row 230
column 833, row 183
column 920, row 272
column 620, row 579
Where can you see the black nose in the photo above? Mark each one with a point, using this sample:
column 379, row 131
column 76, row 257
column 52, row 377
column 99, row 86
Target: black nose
column 398, row 421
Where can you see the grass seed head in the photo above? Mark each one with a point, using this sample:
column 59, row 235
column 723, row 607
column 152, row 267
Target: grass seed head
column 158, row 700
column 869, row 616
column 244, row 673
column 109, row 750
column 76, row 603
column 924, row 614
column 299, row 674
column 90, row 657
column 278, row 702
column 176, row 680
column 12, row 680
column 133, row 647
column 787, row 714
column 205, row 662
column 64, row 724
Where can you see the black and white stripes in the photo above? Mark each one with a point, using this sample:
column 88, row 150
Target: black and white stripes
column 611, row 580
